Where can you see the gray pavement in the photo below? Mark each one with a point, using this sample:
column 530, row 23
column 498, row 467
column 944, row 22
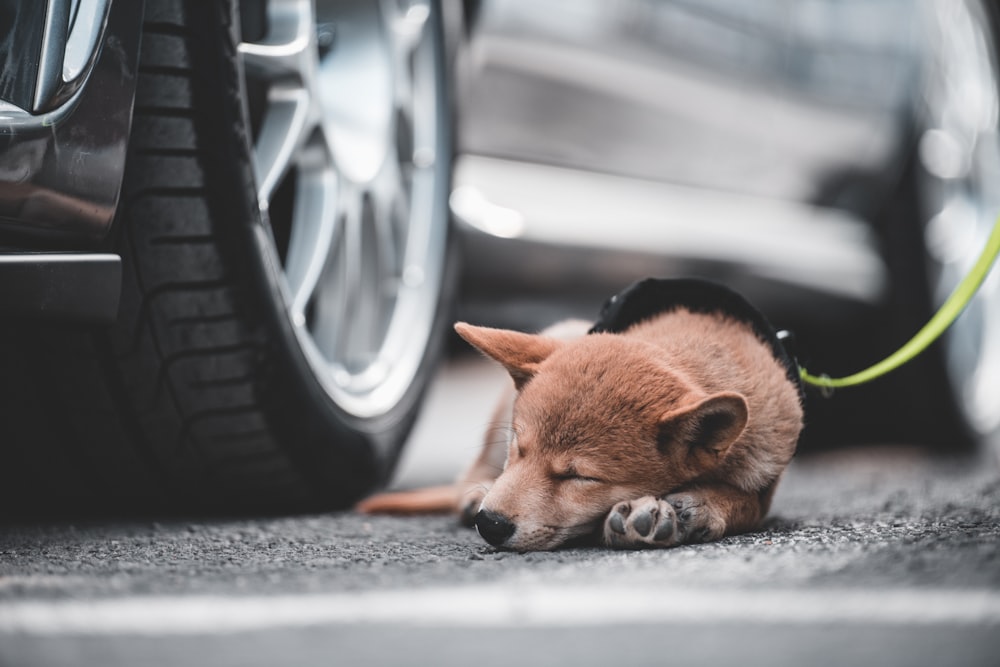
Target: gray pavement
column 871, row 556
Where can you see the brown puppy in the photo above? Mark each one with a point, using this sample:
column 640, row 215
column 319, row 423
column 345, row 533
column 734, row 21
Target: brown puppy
column 673, row 430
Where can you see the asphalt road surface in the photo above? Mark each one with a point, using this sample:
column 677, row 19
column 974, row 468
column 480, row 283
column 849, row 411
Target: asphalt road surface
column 875, row 556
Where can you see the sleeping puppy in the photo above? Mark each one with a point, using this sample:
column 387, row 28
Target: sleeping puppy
column 669, row 423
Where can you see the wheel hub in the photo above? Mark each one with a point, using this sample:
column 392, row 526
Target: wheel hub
column 355, row 87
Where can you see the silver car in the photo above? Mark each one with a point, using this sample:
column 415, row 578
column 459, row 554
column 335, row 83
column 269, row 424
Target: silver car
column 838, row 162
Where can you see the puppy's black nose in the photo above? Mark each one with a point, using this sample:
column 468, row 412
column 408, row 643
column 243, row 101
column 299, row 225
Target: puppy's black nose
column 495, row 528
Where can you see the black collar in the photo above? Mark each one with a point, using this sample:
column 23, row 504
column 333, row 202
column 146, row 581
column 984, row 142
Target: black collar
column 652, row 296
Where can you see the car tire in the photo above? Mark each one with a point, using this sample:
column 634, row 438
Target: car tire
column 214, row 391
column 949, row 203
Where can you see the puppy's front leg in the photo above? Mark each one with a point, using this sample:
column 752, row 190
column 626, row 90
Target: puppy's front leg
column 698, row 514
column 477, row 480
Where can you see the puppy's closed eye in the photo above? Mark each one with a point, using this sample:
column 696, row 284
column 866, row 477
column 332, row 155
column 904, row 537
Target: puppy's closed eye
column 571, row 474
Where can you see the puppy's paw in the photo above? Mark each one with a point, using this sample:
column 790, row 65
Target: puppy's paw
column 642, row 524
column 697, row 521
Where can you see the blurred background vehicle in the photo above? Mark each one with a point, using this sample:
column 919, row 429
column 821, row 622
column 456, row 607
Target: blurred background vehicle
column 249, row 276
column 835, row 160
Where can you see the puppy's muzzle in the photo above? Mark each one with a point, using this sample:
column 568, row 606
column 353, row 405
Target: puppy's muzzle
column 494, row 528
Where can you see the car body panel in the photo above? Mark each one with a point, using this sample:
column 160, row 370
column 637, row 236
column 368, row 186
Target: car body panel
column 61, row 169
column 766, row 98
column 755, row 142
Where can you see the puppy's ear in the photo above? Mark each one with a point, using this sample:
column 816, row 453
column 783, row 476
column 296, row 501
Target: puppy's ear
column 519, row 353
column 706, row 428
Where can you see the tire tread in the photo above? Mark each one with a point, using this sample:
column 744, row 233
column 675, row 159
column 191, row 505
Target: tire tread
column 200, row 418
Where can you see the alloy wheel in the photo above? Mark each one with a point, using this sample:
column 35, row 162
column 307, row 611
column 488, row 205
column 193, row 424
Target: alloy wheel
column 349, row 126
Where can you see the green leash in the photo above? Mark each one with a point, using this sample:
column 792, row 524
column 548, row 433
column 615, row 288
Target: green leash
column 937, row 325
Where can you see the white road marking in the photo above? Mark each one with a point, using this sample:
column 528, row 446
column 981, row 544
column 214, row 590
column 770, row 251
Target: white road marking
column 496, row 606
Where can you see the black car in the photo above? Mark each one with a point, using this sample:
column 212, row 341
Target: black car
column 224, row 247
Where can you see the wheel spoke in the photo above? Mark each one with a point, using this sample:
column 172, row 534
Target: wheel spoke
column 390, row 204
column 284, row 130
column 361, row 279
column 407, row 24
column 407, row 21
column 287, row 49
column 314, row 223
column 353, row 244
column 421, row 199
column 336, row 295
column 286, row 59
column 423, row 108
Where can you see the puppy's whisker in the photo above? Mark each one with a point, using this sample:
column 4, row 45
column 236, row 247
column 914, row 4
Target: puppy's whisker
column 583, row 525
column 503, row 426
column 509, row 426
column 476, row 487
column 504, row 431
